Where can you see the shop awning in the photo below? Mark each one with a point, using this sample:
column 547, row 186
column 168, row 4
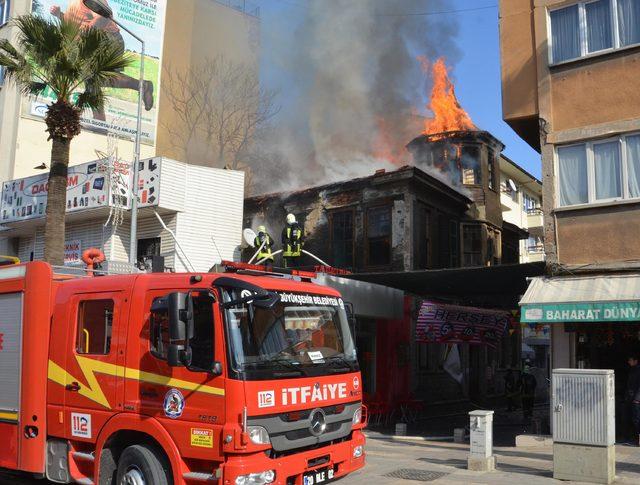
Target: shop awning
column 601, row 298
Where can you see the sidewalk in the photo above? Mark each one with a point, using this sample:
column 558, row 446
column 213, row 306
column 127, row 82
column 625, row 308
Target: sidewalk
column 396, row 462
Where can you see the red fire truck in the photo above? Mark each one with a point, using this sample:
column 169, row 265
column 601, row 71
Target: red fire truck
column 160, row 378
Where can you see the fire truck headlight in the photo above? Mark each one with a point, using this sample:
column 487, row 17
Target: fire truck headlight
column 357, row 451
column 262, row 478
column 258, row 435
column 357, row 416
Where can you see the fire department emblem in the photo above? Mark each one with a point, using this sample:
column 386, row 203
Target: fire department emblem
column 173, row 404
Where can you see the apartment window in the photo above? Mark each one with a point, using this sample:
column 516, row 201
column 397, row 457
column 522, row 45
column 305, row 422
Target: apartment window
column 342, row 230
column 95, row 320
column 5, row 6
column 472, row 244
column 597, row 171
column 454, row 244
column 379, row 236
column 531, row 204
column 593, row 26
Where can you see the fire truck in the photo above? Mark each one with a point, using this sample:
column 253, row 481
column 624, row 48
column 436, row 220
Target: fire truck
column 237, row 377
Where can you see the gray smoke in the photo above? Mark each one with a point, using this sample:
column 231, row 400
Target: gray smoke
column 350, row 85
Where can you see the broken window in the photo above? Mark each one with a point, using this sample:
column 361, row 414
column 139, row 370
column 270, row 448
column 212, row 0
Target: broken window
column 422, row 237
column 491, row 172
column 470, row 161
column 472, row 244
column 342, row 238
column 379, row 236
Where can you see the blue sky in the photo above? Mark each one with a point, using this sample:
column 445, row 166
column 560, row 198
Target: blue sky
column 476, row 74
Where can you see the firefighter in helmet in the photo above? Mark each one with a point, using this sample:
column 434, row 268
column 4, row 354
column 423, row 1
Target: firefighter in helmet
column 265, row 241
column 292, row 242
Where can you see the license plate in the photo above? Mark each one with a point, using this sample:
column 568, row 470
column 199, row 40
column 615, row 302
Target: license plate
column 318, row 476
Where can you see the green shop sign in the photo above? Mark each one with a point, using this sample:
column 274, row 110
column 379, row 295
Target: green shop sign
column 619, row 311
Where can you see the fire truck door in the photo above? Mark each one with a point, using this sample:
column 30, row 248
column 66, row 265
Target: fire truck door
column 94, row 362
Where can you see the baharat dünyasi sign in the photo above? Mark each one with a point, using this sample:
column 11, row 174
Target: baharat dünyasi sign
column 619, row 311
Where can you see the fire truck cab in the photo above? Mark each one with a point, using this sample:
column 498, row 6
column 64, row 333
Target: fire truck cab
column 169, row 378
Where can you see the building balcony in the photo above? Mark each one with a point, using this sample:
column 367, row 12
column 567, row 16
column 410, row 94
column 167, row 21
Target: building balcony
column 534, row 217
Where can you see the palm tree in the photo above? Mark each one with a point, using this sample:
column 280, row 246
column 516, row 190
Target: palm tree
column 77, row 64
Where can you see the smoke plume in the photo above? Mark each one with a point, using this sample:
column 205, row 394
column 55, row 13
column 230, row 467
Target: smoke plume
column 351, row 85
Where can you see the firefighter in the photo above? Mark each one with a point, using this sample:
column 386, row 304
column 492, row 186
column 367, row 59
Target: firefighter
column 265, row 254
column 292, row 242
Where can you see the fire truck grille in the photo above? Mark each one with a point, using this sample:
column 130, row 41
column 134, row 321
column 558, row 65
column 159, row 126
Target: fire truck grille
column 288, row 435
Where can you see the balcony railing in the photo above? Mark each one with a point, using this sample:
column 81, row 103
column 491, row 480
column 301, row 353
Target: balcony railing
column 535, row 249
column 245, row 6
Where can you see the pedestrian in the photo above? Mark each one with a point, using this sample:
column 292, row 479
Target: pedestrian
column 632, row 399
column 528, row 386
column 264, row 242
column 511, row 384
column 292, row 242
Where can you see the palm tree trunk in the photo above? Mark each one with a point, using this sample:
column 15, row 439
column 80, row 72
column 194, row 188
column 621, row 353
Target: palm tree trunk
column 54, row 229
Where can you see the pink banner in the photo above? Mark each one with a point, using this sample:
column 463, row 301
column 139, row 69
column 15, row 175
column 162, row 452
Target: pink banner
column 450, row 324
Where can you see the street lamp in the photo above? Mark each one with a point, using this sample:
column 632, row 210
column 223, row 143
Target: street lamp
column 102, row 8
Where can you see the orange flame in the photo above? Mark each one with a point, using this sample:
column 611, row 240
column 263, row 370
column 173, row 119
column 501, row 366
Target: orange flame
column 448, row 115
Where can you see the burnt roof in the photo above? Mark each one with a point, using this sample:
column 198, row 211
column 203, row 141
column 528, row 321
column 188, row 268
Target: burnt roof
column 462, row 135
column 406, row 172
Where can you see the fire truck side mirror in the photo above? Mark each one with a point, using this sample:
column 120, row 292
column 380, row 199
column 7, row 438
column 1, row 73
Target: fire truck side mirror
column 180, row 329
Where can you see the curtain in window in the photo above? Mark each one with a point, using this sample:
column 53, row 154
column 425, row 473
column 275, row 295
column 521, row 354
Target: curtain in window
column 572, row 164
column 565, row 33
column 608, row 170
column 629, row 21
column 599, row 32
column 633, row 165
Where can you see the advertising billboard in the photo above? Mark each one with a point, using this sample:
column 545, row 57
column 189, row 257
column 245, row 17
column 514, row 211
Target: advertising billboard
column 146, row 19
column 89, row 186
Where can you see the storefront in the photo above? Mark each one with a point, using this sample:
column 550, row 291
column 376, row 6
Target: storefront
column 594, row 320
column 190, row 215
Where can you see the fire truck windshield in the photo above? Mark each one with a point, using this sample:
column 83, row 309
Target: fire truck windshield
column 301, row 335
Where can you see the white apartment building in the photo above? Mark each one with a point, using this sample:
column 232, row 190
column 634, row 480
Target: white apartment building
column 521, row 200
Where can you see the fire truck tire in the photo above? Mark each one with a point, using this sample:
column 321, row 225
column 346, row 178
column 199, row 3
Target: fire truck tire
column 143, row 465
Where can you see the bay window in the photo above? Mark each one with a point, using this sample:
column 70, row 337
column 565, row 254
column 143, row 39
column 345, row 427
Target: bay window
column 593, row 26
column 598, row 171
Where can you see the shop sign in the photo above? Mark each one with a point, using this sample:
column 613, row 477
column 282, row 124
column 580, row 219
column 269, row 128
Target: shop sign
column 440, row 323
column 619, row 311
column 73, row 252
column 89, row 186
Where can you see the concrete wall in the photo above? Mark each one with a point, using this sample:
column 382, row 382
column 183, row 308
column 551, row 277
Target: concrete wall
column 198, row 31
column 603, row 234
column 519, row 94
column 583, row 99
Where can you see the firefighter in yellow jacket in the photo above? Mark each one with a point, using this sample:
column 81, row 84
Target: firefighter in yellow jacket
column 265, row 254
column 292, row 242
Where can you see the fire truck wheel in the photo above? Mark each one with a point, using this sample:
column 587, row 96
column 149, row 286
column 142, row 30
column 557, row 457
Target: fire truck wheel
column 143, row 465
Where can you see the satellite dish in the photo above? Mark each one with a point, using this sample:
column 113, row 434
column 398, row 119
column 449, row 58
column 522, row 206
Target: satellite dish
column 248, row 236
column 512, row 184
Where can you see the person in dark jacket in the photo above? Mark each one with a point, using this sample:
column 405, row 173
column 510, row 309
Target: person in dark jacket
column 292, row 242
column 632, row 398
column 528, row 384
column 511, row 389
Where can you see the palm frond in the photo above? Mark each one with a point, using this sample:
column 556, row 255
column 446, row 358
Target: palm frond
column 65, row 57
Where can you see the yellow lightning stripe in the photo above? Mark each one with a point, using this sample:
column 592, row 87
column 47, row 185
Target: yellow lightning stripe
column 93, row 391
column 8, row 416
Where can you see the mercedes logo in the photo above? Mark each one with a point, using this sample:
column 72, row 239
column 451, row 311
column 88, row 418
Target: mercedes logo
column 318, row 422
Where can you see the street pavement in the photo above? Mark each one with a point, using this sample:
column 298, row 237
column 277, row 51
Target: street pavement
column 444, row 462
